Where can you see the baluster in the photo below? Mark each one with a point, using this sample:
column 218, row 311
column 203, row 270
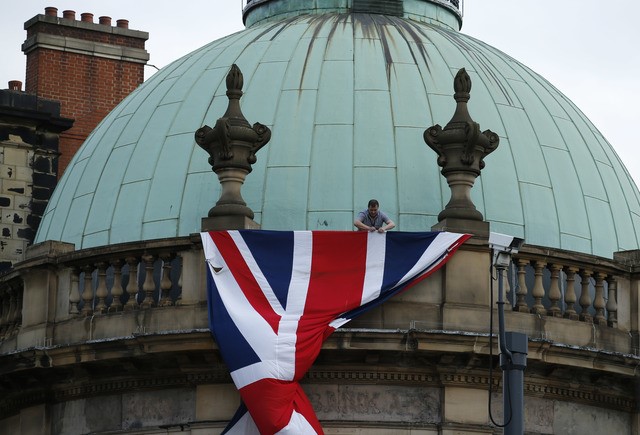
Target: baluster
column 554, row 291
column 598, row 300
column 570, row 295
column 13, row 307
column 148, row 286
column 87, row 292
column 101, row 289
column 4, row 319
column 165, row 282
column 132, row 285
column 179, row 298
column 612, row 302
column 19, row 287
column 506, row 288
column 116, row 289
column 585, row 298
column 74, row 292
column 538, row 289
column 521, row 294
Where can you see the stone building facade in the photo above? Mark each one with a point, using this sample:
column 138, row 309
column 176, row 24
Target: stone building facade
column 105, row 329
column 30, row 127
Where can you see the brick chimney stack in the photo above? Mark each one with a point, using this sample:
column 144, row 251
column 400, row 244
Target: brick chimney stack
column 89, row 67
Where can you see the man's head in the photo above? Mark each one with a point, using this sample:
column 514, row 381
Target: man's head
column 373, row 207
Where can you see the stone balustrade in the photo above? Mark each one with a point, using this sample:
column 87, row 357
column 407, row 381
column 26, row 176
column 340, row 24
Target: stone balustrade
column 129, row 282
column 551, row 288
column 59, row 285
column 567, row 285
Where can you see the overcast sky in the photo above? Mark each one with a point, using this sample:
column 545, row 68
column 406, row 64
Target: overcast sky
column 587, row 48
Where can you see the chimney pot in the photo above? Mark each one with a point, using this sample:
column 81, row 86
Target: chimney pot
column 51, row 11
column 123, row 23
column 105, row 21
column 15, row 85
column 87, row 17
column 69, row 15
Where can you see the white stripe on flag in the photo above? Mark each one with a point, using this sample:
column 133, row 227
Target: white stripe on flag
column 298, row 425
column 374, row 273
column 432, row 256
column 296, row 299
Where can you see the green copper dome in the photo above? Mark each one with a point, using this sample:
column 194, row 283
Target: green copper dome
column 347, row 94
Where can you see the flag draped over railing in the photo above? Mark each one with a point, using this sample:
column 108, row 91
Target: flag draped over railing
column 275, row 296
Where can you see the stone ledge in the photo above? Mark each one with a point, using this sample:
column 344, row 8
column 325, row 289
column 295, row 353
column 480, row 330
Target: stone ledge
column 89, row 48
column 96, row 27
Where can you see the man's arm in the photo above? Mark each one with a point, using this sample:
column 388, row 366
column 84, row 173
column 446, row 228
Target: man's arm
column 388, row 224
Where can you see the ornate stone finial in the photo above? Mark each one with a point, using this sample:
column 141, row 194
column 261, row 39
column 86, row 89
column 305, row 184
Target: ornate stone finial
column 232, row 145
column 461, row 148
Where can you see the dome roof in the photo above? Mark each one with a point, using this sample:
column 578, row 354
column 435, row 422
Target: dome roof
column 347, row 97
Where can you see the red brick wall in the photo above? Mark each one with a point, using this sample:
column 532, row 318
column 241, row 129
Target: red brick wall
column 87, row 87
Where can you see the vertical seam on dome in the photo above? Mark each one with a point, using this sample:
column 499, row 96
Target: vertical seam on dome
column 543, row 156
column 401, row 24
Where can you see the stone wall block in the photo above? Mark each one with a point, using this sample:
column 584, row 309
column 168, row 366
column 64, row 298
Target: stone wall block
column 155, row 408
column 466, row 278
column 8, row 172
column 44, row 180
column 24, row 173
column 15, row 156
column 6, row 201
column 382, row 403
column 42, row 164
column 464, row 405
column 573, row 418
column 35, row 420
column 15, row 187
column 216, row 401
column 12, row 250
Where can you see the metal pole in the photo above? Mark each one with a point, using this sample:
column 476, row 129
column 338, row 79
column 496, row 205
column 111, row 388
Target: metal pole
column 513, row 362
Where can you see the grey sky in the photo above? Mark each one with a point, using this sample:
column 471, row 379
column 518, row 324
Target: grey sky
column 586, row 48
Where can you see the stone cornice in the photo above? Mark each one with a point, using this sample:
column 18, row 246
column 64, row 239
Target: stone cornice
column 95, row 27
column 89, row 48
column 184, row 359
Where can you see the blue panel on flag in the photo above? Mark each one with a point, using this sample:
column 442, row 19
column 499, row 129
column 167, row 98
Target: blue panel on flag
column 403, row 250
column 275, row 268
column 237, row 353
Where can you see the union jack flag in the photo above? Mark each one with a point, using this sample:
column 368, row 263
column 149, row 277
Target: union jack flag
column 275, row 296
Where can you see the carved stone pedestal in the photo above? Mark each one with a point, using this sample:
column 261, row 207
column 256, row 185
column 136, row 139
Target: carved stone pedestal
column 232, row 145
column 229, row 222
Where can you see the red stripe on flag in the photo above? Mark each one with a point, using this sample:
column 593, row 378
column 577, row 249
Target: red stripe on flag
column 244, row 277
column 271, row 403
column 336, row 281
